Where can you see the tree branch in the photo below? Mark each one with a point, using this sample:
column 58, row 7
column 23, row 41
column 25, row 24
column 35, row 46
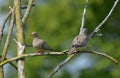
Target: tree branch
column 3, row 24
column 9, row 36
column 20, row 39
column 27, row 11
column 83, row 17
column 25, row 6
column 12, row 64
column 31, row 55
column 54, row 54
column 105, row 19
column 60, row 66
column 101, row 54
column 5, row 20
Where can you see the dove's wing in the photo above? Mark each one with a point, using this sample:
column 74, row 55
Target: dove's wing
column 79, row 41
column 45, row 46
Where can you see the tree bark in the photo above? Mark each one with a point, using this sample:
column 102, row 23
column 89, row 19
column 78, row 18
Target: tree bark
column 20, row 39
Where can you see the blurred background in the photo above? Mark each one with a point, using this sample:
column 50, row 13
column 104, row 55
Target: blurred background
column 58, row 22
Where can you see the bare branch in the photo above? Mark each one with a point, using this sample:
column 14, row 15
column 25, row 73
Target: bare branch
column 27, row 11
column 14, row 65
column 11, row 63
column 54, row 54
column 5, row 20
column 101, row 54
column 31, row 55
column 105, row 19
column 29, row 45
column 60, row 66
column 83, row 17
column 20, row 39
column 25, row 6
column 3, row 24
column 8, row 37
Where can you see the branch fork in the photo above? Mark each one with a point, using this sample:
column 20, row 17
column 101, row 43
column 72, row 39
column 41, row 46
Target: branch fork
column 21, row 47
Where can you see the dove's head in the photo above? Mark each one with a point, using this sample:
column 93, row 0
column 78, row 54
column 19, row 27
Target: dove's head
column 34, row 34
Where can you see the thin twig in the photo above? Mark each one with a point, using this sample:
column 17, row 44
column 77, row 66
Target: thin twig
column 25, row 6
column 27, row 11
column 8, row 36
column 7, row 40
column 29, row 45
column 14, row 65
column 101, row 54
column 5, row 20
column 60, row 66
column 83, row 17
column 11, row 63
column 105, row 19
column 3, row 24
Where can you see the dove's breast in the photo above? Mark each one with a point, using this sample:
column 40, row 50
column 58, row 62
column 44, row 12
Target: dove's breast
column 37, row 43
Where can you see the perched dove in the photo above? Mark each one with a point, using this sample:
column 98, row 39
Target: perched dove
column 40, row 44
column 79, row 41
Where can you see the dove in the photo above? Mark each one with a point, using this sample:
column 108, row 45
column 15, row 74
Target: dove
column 40, row 44
column 79, row 41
